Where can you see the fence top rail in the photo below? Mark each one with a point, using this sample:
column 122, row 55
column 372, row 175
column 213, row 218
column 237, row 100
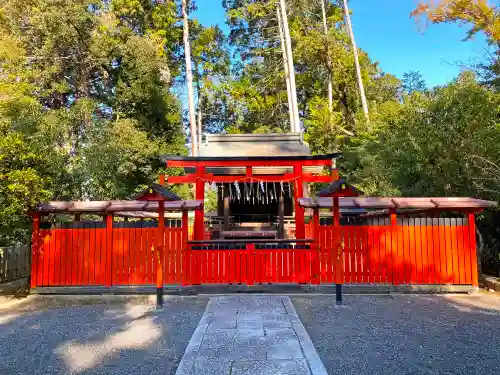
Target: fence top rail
column 241, row 241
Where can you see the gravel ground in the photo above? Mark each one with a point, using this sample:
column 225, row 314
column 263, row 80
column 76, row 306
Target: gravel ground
column 405, row 334
column 100, row 335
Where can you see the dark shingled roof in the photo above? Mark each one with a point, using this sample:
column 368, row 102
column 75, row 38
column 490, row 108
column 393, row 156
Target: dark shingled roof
column 423, row 203
column 338, row 187
column 114, row 206
column 160, row 189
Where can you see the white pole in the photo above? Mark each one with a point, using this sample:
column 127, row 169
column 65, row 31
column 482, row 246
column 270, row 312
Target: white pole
column 287, row 74
column 356, row 61
column 189, row 78
column 330, row 87
column 291, row 68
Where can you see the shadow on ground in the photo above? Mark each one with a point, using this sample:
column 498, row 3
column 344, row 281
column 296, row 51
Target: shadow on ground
column 101, row 335
column 404, row 334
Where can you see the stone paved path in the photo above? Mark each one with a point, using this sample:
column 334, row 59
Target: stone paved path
column 250, row 335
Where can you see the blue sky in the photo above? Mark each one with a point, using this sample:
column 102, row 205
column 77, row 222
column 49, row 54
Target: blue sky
column 383, row 29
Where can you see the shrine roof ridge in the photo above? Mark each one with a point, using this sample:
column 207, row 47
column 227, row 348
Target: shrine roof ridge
column 166, row 158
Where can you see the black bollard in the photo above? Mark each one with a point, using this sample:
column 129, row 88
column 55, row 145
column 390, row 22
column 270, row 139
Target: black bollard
column 159, row 298
column 338, row 294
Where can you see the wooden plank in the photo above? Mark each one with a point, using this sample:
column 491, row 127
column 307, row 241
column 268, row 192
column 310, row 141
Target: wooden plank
column 48, row 261
column 466, row 249
column 84, row 243
column 376, row 251
column 473, row 250
column 412, row 251
column 449, row 252
column 370, row 253
column 349, row 253
column 170, row 235
column 59, row 248
column 251, row 264
column 135, row 244
column 66, row 244
column 366, row 254
column 417, row 254
column 129, row 265
column 454, row 250
column 98, row 250
column 383, row 250
column 389, row 253
column 359, row 254
column 430, row 250
column 461, row 253
column 424, row 251
column 442, row 253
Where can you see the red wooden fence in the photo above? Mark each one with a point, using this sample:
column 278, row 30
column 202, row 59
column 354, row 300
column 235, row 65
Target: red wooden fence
column 252, row 264
column 93, row 255
column 410, row 251
column 415, row 251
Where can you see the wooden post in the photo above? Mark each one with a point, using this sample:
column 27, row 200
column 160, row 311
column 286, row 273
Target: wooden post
column 185, row 249
column 226, row 213
column 109, row 250
column 199, row 215
column 160, row 241
column 35, row 250
column 316, row 265
column 473, row 249
column 77, row 217
column 300, row 230
column 338, row 248
column 394, row 259
column 161, row 180
column 281, row 217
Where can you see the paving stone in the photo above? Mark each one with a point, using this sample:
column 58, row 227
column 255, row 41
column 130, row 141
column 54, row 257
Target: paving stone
column 241, row 332
column 207, row 367
column 280, row 334
column 273, row 367
column 234, row 353
column 286, row 349
column 221, row 340
column 277, row 324
column 221, row 323
column 254, row 322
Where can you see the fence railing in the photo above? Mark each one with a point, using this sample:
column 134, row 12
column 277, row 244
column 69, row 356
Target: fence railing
column 14, row 262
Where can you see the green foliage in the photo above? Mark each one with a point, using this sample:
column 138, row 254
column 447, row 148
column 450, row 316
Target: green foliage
column 86, row 106
column 442, row 143
column 413, row 82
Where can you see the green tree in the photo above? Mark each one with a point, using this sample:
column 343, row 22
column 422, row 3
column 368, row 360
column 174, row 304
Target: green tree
column 413, row 82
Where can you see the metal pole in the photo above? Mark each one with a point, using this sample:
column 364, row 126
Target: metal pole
column 338, row 294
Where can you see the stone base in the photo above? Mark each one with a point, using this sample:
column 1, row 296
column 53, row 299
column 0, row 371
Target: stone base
column 283, row 289
column 492, row 283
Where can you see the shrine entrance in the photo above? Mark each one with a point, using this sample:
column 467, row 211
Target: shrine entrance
column 339, row 236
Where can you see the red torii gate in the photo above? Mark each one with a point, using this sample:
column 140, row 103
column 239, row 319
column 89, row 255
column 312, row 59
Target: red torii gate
column 200, row 176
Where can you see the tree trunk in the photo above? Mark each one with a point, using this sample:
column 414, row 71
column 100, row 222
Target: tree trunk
column 329, row 63
column 291, row 67
column 189, row 78
column 287, row 73
column 356, row 61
